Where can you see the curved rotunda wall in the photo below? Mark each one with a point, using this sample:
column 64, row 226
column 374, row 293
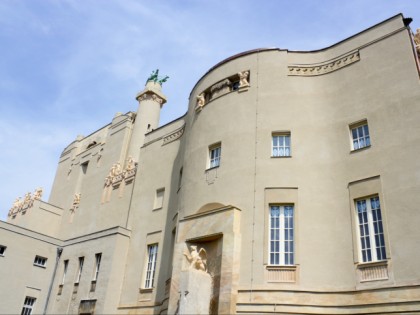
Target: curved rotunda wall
column 348, row 83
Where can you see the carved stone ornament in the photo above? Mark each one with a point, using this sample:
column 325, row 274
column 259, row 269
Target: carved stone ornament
column 151, row 96
column 243, row 79
column 197, row 259
column 76, row 201
column 201, row 101
column 130, row 169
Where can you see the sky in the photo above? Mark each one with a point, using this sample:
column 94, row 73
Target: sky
column 67, row 66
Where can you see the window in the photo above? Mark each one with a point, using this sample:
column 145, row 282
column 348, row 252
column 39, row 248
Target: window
column 40, row 261
column 66, row 265
column 360, row 135
column 281, row 144
column 180, row 178
column 371, row 232
column 85, row 167
column 79, row 273
column 97, row 266
column 2, row 250
column 28, row 305
column 151, row 265
column 215, row 152
column 281, row 251
column 159, row 198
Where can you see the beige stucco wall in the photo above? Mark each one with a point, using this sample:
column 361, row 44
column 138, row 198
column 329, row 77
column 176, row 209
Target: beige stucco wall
column 370, row 77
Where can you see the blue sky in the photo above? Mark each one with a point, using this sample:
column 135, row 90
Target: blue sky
column 67, row 66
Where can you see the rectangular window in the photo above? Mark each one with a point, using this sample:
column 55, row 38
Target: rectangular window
column 360, row 135
column 79, row 273
column 281, row 242
column 371, row 232
column 160, row 193
column 281, row 144
column 151, row 265
column 215, row 152
column 28, row 305
column 66, row 265
column 2, row 250
column 98, row 258
column 40, row 261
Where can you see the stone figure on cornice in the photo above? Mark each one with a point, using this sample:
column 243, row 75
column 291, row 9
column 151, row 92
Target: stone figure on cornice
column 243, row 79
column 37, row 194
column 27, row 199
column 197, row 259
column 130, row 164
column 201, row 101
column 17, row 204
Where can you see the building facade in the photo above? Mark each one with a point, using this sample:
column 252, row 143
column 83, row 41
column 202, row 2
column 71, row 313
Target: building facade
column 291, row 185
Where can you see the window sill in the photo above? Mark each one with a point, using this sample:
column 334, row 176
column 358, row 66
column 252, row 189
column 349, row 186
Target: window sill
column 281, row 157
column 372, row 263
column 146, row 290
column 361, row 149
column 212, row 168
column 157, row 209
column 40, row 266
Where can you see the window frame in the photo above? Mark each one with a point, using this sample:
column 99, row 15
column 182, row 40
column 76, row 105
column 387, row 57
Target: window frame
column 284, row 258
column 285, row 147
column 98, row 259
column 28, row 305
column 159, row 198
column 214, row 161
column 365, row 137
column 79, row 270
column 150, row 267
column 370, row 254
column 40, row 261
column 65, row 268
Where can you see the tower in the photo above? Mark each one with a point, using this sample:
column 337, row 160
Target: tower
column 150, row 101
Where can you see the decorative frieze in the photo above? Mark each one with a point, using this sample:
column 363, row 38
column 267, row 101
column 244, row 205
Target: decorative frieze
column 174, row 135
column 22, row 204
column 151, row 96
column 323, row 68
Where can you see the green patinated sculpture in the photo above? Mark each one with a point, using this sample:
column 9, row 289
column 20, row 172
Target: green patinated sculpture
column 155, row 77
